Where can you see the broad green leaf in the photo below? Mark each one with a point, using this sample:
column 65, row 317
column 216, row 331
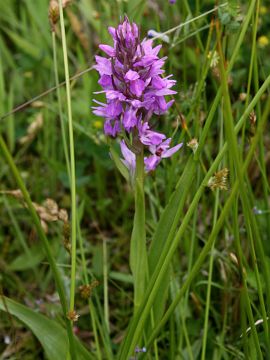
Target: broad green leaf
column 119, row 276
column 27, row 260
column 138, row 252
column 51, row 335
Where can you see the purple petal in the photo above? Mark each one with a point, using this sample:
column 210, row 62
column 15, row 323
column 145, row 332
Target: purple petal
column 156, row 138
column 135, row 30
column 129, row 158
column 171, row 151
column 99, row 111
column 106, row 82
column 112, row 127
column 113, row 109
column 137, row 87
column 129, row 119
column 128, row 155
column 107, row 49
column 103, row 65
column 161, row 83
column 160, row 105
column 110, row 110
column 132, row 75
column 113, row 94
column 169, row 104
column 149, row 137
column 112, row 32
column 151, row 162
column 136, row 103
column 163, row 92
column 156, row 49
column 158, row 82
column 146, row 60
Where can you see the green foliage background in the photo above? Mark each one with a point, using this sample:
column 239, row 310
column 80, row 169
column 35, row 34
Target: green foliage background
column 236, row 265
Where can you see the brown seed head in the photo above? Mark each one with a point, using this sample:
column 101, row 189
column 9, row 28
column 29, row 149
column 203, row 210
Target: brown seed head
column 85, row 291
column 219, row 180
column 252, row 118
column 73, row 316
column 53, row 13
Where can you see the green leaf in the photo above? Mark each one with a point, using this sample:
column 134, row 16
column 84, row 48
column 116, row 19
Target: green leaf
column 27, row 47
column 27, row 260
column 51, row 335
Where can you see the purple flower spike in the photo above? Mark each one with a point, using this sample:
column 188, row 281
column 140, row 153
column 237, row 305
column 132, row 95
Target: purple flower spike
column 135, row 90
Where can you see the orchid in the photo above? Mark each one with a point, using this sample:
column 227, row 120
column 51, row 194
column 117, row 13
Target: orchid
column 135, row 90
column 160, row 152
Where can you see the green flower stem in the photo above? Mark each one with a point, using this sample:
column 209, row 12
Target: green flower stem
column 60, row 106
column 72, row 167
column 105, row 286
column 43, row 239
column 138, row 252
column 72, row 164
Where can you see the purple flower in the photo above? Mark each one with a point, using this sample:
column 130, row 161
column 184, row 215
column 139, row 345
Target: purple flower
column 129, row 118
column 159, row 152
column 135, row 91
column 149, row 137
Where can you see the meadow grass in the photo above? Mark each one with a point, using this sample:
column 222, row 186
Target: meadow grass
column 176, row 267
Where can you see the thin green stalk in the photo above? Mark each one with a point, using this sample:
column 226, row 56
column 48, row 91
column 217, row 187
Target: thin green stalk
column 251, row 66
column 72, row 165
column 86, row 282
column 209, row 282
column 60, row 106
column 186, row 336
column 192, row 247
column 43, row 239
column 105, row 285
